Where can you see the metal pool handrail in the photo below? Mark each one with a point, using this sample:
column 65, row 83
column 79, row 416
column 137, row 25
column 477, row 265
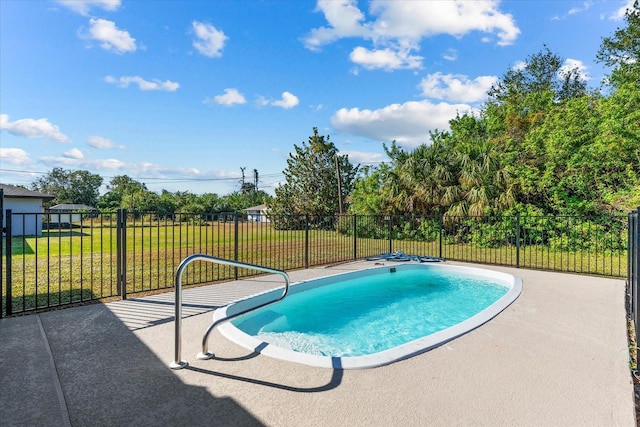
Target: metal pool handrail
column 178, row 363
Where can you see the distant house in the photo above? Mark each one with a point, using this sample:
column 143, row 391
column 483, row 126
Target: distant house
column 26, row 209
column 257, row 213
column 69, row 213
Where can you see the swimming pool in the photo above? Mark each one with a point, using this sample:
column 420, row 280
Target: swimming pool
column 371, row 317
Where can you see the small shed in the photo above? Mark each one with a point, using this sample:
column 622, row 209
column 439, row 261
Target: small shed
column 69, row 213
column 26, row 209
column 257, row 213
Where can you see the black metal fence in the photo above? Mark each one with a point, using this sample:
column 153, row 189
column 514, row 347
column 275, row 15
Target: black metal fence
column 633, row 274
column 51, row 260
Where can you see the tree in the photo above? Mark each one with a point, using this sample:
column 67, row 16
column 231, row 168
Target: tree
column 247, row 187
column 418, row 180
column 166, row 206
column 368, row 196
column 123, row 184
column 616, row 145
column 81, row 187
column 185, row 201
column 622, row 50
column 540, row 80
column 467, row 171
column 238, row 201
column 141, row 202
column 520, row 99
column 311, row 185
column 119, row 189
column 616, row 150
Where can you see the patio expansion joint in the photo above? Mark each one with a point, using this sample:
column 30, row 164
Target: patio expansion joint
column 64, row 410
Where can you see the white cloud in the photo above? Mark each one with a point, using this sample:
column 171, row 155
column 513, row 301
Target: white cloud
column 574, row 64
column 387, row 59
column 231, row 96
column 111, row 38
column 621, row 12
column 456, row 87
column 399, row 26
column 74, row 153
column 72, row 159
column 364, row 157
column 585, row 6
column 409, row 123
column 210, row 41
column 288, row 100
column 15, row 156
column 450, row 54
column 143, row 84
column 100, row 142
column 83, row 7
column 159, row 170
column 345, row 20
column 261, row 101
column 84, row 163
column 415, row 20
column 32, row 128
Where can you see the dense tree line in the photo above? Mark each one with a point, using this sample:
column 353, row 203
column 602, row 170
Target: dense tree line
column 542, row 143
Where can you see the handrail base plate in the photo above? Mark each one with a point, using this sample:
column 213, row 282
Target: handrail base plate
column 179, row 365
column 205, row 356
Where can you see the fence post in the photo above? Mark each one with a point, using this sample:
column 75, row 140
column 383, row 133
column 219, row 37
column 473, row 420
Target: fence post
column 123, row 230
column 630, row 277
column 355, row 237
column 440, row 221
column 306, row 241
column 9, row 278
column 518, row 240
column 118, row 252
column 390, row 230
column 634, row 246
column 121, row 252
column 2, row 230
column 235, row 244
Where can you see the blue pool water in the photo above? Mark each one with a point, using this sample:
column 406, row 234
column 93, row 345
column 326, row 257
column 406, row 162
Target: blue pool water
column 375, row 310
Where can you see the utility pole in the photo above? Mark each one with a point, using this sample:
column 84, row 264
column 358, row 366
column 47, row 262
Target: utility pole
column 242, row 168
column 255, row 179
column 339, row 186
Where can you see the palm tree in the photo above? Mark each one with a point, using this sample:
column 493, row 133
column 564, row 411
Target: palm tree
column 484, row 182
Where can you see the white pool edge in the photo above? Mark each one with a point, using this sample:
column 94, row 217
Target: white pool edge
column 404, row 351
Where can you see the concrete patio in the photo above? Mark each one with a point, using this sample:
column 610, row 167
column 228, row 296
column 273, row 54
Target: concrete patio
column 556, row 357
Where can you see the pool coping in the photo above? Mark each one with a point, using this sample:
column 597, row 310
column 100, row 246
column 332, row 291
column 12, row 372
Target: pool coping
column 385, row 357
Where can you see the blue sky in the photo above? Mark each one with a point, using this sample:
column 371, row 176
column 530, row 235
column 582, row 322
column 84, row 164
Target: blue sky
column 181, row 95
